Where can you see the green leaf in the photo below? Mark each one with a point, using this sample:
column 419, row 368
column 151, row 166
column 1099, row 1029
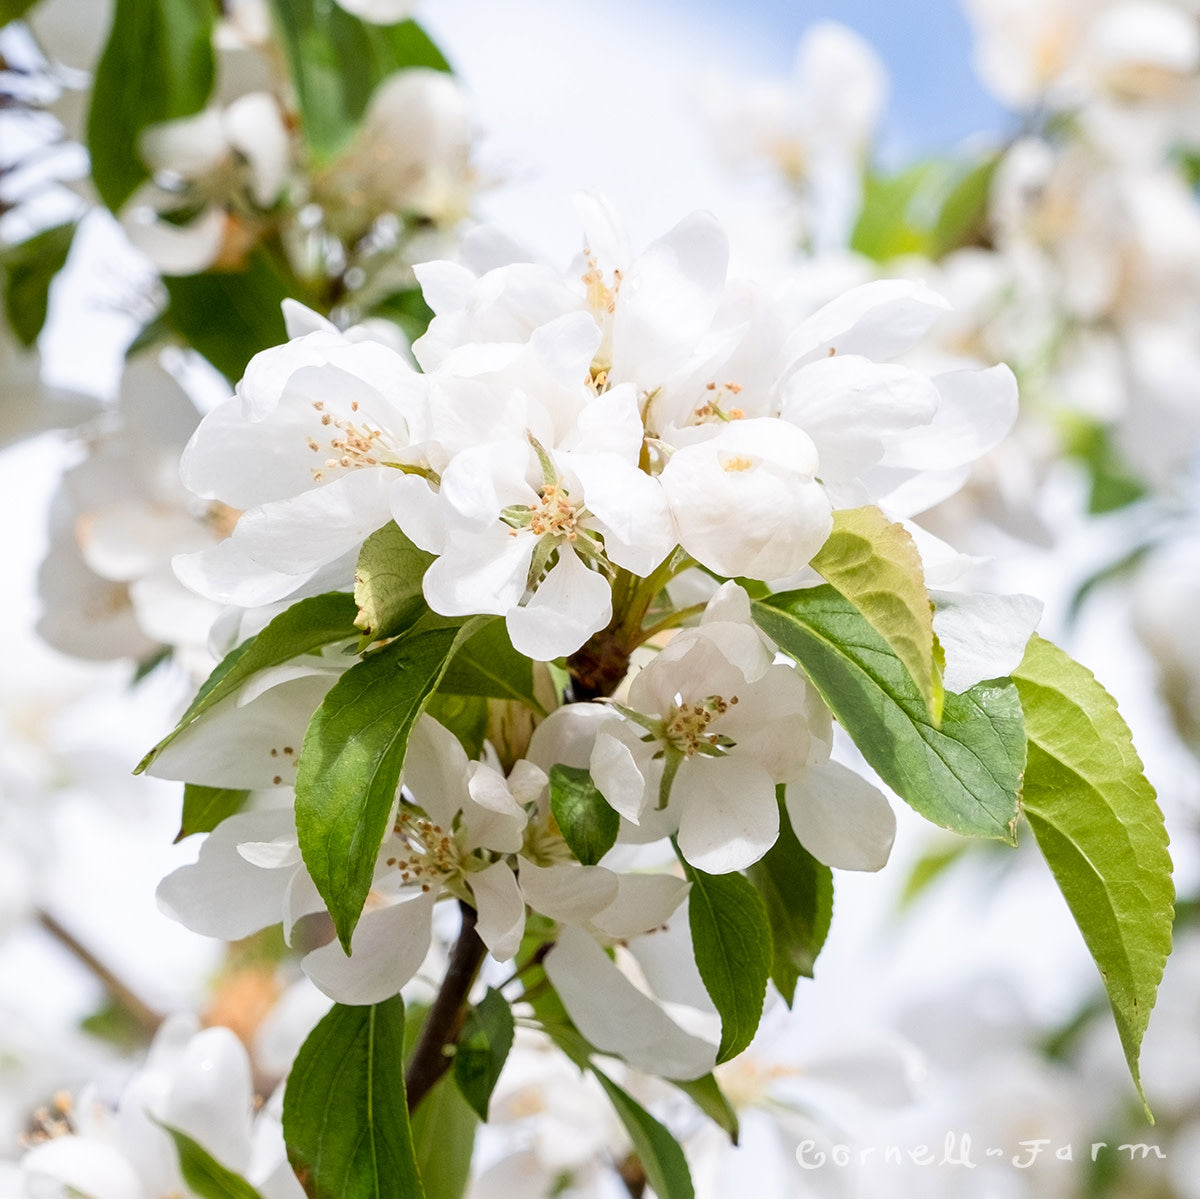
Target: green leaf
column 307, row 625
column 963, row 219
column 797, row 892
column 407, row 309
column 890, row 222
column 229, row 316
column 588, row 823
column 466, row 716
column 658, row 1151
column 29, row 267
column 345, row 1114
column 443, row 1129
column 157, row 65
column 488, row 665
column 707, row 1095
column 487, row 1036
column 337, row 62
column 875, row 565
column 387, row 584
column 927, row 869
column 10, row 10
column 964, row 775
column 205, row 807
column 1095, row 818
column 1113, row 484
column 731, row 940
column 204, row 1174
column 350, row 765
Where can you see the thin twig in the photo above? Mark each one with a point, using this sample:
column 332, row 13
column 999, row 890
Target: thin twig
column 146, row 1018
column 445, row 1020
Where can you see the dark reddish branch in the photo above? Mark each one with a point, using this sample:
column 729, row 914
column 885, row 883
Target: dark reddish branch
column 445, row 1020
column 598, row 667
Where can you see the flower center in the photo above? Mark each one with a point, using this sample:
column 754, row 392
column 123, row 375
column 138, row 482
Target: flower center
column 349, row 444
column 714, row 407
column 553, row 513
column 686, row 730
column 433, row 855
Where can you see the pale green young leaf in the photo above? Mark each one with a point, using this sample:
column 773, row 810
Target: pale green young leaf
column 797, row 892
column 588, row 823
column 1094, row 815
column 387, row 583
column 874, row 563
column 204, row 1174
column 658, row 1151
column 345, row 1113
column 731, row 941
column 964, row 775
column 307, row 625
column 483, row 1047
column 444, row 1127
column 350, row 764
column 157, row 65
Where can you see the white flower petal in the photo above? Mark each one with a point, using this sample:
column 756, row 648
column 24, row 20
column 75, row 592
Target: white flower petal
column 571, row 894
column 617, row 776
column 984, row 636
column 840, row 818
column 977, row 408
column 501, row 909
column 388, row 946
column 728, row 815
column 570, row 604
column 643, row 902
column 223, row 895
column 616, row 1017
column 86, row 1165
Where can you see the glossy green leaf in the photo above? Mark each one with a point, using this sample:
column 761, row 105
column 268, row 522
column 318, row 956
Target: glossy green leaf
column 1095, row 818
column 588, row 823
column 797, row 892
column 466, row 716
column 205, row 807
column 337, row 62
column 487, row 664
column 229, row 316
column 345, row 1114
column 204, row 1174
column 307, row 625
column 658, row 1151
column 731, row 940
column 351, row 761
column 29, row 268
column 964, row 775
column 387, row 583
column 483, row 1048
column 874, row 563
column 157, row 65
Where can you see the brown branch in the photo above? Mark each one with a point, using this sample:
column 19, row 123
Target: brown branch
column 445, row 1020
column 146, row 1018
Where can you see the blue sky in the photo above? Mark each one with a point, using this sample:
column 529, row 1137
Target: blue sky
column 936, row 101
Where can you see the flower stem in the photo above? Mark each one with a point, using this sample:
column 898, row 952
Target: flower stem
column 445, row 1020
column 146, row 1018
